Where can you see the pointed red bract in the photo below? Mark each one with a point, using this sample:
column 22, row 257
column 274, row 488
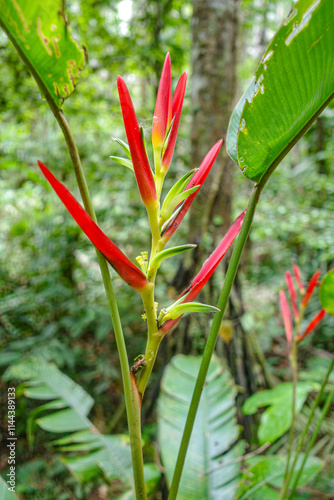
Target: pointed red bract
column 310, row 289
column 312, row 324
column 208, row 268
column 163, row 107
column 197, row 180
column 139, row 158
column 122, row 265
column 293, row 294
column 286, row 316
column 297, row 274
column 177, row 104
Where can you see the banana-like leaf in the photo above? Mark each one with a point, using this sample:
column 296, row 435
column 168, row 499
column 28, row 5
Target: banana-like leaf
column 39, row 30
column 123, row 161
column 326, row 292
column 293, row 84
column 211, row 469
column 6, row 494
column 87, row 452
column 169, row 252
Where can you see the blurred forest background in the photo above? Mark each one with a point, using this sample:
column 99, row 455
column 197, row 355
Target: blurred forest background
column 52, row 301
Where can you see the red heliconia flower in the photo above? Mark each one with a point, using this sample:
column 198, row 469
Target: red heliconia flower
column 297, row 274
column 310, row 289
column 128, row 271
column 177, row 104
column 286, row 316
column 163, row 108
column 293, row 294
column 312, row 324
column 141, row 165
column 197, row 180
column 208, row 268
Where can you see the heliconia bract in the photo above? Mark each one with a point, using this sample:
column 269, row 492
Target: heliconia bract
column 312, row 324
column 197, row 180
column 208, row 267
column 297, row 274
column 293, row 294
column 128, row 271
column 310, row 289
column 141, row 165
column 163, row 108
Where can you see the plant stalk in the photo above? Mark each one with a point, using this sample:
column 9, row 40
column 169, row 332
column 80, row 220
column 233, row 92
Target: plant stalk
column 211, row 342
column 131, row 399
column 304, row 434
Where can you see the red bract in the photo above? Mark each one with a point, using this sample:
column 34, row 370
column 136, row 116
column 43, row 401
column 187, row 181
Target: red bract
column 310, row 289
column 116, row 258
column 296, row 272
column 293, row 294
column 139, row 158
column 286, row 316
column 163, row 108
column 197, row 180
column 312, row 324
column 208, row 268
column 177, row 104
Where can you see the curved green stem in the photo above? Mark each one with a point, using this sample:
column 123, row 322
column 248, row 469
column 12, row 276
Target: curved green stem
column 211, row 342
column 131, row 398
column 304, row 434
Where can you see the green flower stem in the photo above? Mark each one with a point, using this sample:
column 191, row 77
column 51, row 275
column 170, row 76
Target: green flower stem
column 131, row 400
column 294, row 369
column 211, row 342
column 304, row 434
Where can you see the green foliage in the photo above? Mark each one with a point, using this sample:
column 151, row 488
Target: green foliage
column 265, row 474
column 5, row 494
column 326, row 292
column 277, row 418
column 40, row 33
column 89, row 454
column 287, row 94
column 211, row 470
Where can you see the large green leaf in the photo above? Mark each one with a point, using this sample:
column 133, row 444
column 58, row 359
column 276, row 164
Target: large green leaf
column 210, row 471
column 277, row 418
column 326, row 292
column 5, row 494
column 39, row 31
column 293, row 84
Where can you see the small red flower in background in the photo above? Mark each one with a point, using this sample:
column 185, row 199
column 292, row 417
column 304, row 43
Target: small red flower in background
column 299, row 311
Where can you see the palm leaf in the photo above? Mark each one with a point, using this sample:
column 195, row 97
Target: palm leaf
column 211, row 469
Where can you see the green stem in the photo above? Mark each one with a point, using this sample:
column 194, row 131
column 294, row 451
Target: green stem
column 131, row 399
column 304, row 434
column 211, row 342
column 294, row 369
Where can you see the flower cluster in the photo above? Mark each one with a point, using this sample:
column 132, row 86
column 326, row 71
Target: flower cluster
column 298, row 309
column 164, row 219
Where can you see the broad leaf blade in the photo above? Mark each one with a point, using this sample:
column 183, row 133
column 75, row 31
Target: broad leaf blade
column 326, row 292
column 211, row 471
column 39, row 31
column 294, row 82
